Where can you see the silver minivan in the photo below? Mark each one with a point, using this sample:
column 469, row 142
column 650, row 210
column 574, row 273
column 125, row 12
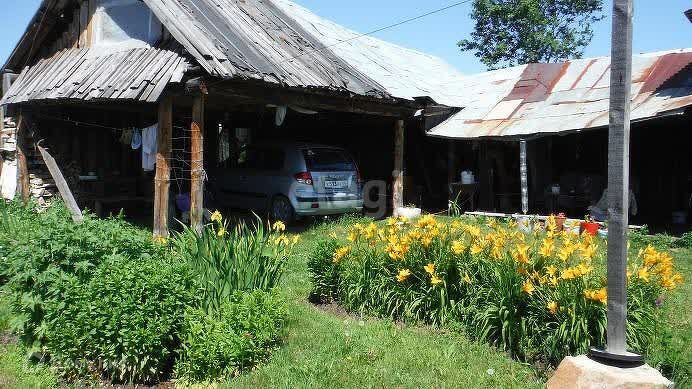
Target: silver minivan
column 291, row 180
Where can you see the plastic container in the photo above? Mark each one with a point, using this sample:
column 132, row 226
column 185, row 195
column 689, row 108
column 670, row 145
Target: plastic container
column 590, row 227
column 467, row 177
column 409, row 213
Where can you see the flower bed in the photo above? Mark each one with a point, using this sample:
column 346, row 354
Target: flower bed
column 104, row 300
column 539, row 295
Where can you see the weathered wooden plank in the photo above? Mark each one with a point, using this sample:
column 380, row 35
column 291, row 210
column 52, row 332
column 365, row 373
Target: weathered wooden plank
column 23, row 187
column 63, row 188
column 162, row 181
column 398, row 174
column 197, row 163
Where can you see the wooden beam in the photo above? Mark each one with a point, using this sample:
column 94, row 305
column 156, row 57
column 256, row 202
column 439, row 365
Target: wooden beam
column 452, row 175
column 162, row 181
column 618, row 175
column 316, row 100
column 63, row 188
column 398, row 174
column 197, row 163
column 23, row 187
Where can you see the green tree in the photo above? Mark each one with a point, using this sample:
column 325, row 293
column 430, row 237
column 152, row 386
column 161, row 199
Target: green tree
column 513, row 32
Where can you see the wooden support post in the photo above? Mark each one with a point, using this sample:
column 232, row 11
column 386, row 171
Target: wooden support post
column 451, row 165
column 398, row 174
column 162, row 181
column 618, row 175
column 523, row 177
column 23, row 187
column 197, row 162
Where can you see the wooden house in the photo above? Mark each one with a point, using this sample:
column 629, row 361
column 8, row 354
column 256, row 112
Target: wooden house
column 87, row 74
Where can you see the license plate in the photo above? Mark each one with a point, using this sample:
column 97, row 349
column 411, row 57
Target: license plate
column 335, row 184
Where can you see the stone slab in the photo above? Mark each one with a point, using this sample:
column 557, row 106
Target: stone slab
column 583, row 373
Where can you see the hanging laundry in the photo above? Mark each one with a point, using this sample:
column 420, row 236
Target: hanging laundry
column 126, row 136
column 136, row 139
column 149, row 147
column 280, row 115
column 224, row 146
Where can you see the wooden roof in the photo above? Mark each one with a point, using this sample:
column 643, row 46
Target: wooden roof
column 138, row 74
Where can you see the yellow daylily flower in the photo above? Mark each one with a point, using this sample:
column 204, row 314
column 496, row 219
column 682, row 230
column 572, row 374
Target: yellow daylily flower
column 588, row 251
column 435, row 280
column 552, row 307
column 521, row 254
column 600, row 295
column 643, row 274
column 547, row 248
column 528, row 287
column 430, row 268
column 279, row 226
column 216, row 217
column 458, row 247
column 403, row 275
column 340, row 253
column 221, row 231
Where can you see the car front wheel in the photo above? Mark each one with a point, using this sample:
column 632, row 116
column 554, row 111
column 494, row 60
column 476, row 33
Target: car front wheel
column 282, row 210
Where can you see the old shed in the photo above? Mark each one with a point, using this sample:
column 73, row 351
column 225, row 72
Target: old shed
column 89, row 77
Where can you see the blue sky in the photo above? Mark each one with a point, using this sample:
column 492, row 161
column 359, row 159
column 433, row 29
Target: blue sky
column 659, row 25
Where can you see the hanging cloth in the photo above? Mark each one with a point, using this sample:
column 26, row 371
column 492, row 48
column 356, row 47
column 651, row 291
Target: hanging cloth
column 280, row 115
column 224, row 146
column 126, row 136
column 149, row 147
column 136, row 139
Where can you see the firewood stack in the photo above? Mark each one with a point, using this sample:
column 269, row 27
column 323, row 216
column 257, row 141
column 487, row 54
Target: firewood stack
column 42, row 186
column 8, row 158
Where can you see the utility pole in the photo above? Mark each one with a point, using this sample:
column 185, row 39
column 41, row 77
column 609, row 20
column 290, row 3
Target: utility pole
column 618, row 185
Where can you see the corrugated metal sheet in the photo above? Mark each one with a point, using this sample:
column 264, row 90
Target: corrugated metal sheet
column 403, row 72
column 139, row 74
column 540, row 99
column 253, row 39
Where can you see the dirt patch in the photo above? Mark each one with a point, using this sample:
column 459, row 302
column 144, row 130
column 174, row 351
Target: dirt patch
column 334, row 309
column 7, row 338
column 161, row 385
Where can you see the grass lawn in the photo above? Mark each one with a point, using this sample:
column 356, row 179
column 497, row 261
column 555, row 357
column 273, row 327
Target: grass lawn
column 331, row 349
column 324, row 347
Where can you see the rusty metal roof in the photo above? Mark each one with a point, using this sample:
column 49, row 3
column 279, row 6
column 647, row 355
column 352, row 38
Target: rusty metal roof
column 541, row 99
column 138, row 74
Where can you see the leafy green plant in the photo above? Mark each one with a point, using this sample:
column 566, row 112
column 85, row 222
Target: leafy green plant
column 40, row 250
column 323, row 272
column 685, row 241
column 236, row 259
column 236, row 336
column 538, row 294
column 124, row 323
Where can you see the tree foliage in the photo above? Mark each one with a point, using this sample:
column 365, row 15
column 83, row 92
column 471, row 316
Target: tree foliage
column 512, row 32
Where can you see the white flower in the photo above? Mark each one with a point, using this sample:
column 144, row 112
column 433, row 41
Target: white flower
column 491, row 371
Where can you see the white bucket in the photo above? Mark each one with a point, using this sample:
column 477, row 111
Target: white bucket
column 467, row 177
column 409, row 213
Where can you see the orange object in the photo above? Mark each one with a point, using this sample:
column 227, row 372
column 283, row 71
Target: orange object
column 590, row 227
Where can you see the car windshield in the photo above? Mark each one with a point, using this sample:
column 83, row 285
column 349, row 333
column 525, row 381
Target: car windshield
column 328, row 160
